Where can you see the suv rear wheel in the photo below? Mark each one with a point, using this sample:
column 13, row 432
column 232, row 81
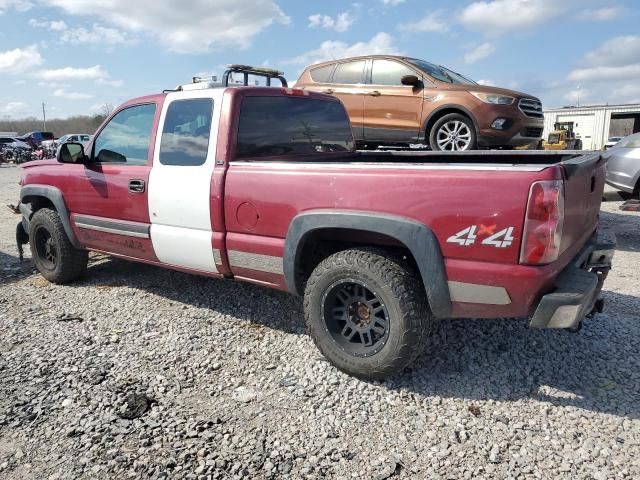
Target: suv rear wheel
column 367, row 313
column 54, row 256
column 453, row 132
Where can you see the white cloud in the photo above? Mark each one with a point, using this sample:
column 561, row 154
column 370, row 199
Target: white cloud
column 382, row 43
column 13, row 108
column 110, row 83
column 431, row 23
column 628, row 93
column 393, row 3
column 20, row 60
column 79, row 35
column 71, row 73
column 19, row 5
column 61, row 93
column 577, row 96
column 98, row 34
column 608, row 73
column 616, row 59
column 196, row 27
column 605, row 73
column 55, row 25
column 481, row 51
column 488, row 83
column 616, row 51
column 341, row 23
column 499, row 16
column 601, row 14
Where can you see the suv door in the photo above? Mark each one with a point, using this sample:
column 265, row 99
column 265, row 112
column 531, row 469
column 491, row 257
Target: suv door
column 346, row 84
column 107, row 197
column 392, row 111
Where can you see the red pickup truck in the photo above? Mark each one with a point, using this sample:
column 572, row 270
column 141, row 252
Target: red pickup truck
column 264, row 185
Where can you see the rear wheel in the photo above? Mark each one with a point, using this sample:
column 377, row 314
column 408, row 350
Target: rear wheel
column 453, row 132
column 367, row 312
column 54, row 256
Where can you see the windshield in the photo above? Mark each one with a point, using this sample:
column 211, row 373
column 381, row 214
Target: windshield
column 632, row 141
column 440, row 73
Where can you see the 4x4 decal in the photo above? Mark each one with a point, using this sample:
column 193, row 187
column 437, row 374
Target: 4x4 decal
column 468, row 236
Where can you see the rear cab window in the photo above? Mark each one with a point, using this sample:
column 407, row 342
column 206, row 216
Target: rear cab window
column 274, row 126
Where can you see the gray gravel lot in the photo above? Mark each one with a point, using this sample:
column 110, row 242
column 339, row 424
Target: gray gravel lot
column 237, row 390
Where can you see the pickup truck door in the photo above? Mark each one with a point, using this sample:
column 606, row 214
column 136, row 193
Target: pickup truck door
column 180, row 200
column 107, row 197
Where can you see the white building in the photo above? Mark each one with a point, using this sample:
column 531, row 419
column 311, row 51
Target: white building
column 595, row 124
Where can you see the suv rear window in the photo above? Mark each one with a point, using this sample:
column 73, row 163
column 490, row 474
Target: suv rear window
column 322, row 74
column 277, row 126
column 349, row 73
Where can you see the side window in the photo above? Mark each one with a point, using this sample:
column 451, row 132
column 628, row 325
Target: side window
column 126, row 137
column 388, row 72
column 322, row 74
column 185, row 134
column 350, row 72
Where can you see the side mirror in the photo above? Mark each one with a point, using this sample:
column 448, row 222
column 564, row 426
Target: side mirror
column 71, row 152
column 410, row 80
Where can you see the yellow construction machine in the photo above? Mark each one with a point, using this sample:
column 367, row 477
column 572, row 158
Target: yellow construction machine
column 563, row 137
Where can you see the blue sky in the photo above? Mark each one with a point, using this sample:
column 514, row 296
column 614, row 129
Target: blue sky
column 77, row 55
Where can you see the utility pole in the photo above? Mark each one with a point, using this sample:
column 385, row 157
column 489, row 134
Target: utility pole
column 44, row 119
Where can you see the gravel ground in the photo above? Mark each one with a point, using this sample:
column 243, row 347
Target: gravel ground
column 141, row 372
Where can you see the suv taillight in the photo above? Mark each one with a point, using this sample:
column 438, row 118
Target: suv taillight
column 543, row 223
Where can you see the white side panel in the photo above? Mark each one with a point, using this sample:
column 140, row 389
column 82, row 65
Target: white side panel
column 185, row 247
column 180, row 200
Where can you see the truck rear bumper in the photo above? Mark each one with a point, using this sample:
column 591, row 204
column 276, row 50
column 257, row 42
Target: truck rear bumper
column 578, row 286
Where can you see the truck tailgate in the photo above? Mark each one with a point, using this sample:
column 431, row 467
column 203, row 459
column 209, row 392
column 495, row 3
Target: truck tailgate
column 584, row 179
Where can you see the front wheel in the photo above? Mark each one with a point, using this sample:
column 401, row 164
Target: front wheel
column 367, row 312
column 53, row 254
column 453, row 132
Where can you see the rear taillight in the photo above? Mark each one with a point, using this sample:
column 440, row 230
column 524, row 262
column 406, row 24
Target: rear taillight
column 542, row 233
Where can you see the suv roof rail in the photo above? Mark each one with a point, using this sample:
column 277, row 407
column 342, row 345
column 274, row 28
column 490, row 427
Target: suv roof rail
column 247, row 70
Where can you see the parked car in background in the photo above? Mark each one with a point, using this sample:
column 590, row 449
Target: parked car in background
column 74, row 137
column 395, row 100
column 14, row 150
column 36, row 138
column 612, row 142
column 13, row 142
column 623, row 166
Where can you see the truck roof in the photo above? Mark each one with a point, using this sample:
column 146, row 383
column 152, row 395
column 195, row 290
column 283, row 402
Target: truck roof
column 240, row 89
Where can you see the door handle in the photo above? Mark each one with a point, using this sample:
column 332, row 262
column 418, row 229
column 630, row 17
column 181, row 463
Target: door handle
column 375, row 93
column 328, row 90
column 136, row 186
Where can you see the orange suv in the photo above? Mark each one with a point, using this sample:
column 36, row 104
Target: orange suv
column 394, row 100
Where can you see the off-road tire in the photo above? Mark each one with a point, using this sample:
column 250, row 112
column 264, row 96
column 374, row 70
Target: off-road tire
column 452, row 117
column 70, row 263
column 396, row 283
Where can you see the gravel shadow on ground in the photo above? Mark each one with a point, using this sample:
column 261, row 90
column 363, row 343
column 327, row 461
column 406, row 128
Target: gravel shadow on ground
column 13, row 270
column 470, row 359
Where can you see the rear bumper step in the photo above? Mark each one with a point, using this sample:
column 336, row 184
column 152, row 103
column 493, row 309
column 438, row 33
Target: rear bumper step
column 578, row 286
